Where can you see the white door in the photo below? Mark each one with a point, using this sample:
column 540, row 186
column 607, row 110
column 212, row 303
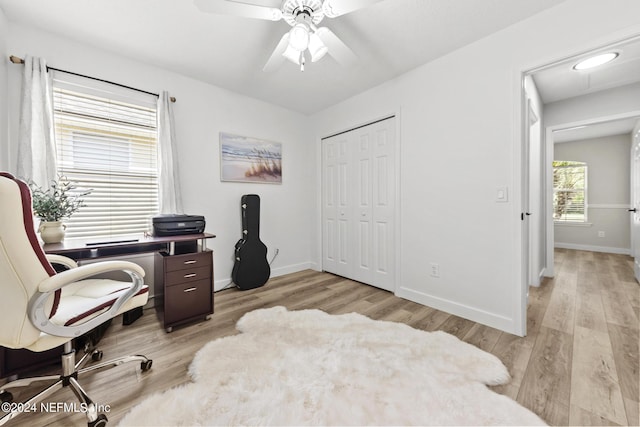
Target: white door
column 359, row 204
column 384, row 186
column 635, row 204
column 524, row 220
column 335, row 209
column 362, row 142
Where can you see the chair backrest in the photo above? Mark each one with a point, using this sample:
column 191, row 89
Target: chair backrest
column 23, row 264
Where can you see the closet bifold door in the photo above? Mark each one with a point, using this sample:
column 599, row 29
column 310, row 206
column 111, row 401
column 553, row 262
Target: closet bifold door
column 358, row 224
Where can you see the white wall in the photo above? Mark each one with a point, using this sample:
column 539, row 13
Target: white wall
column 4, row 63
column 201, row 112
column 460, row 129
column 608, row 194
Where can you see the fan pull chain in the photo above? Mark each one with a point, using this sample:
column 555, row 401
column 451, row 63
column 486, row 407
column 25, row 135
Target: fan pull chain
column 302, row 61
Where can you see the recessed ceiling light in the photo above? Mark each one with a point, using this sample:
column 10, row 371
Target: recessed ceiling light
column 596, row 61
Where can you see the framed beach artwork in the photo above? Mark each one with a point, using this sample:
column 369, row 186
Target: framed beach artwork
column 246, row 159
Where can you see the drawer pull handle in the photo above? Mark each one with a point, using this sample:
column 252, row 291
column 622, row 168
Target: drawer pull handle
column 191, row 261
column 188, row 276
column 189, row 290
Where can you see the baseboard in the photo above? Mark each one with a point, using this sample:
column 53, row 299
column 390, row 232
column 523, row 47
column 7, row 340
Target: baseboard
column 221, row 284
column 294, row 268
column 606, row 249
column 539, row 279
column 541, row 276
column 486, row 318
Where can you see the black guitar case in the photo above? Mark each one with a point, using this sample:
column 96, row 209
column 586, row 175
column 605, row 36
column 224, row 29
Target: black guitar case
column 251, row 268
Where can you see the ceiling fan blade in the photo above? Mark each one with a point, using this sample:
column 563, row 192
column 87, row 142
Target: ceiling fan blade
column 335, row 8
column 245, row 10
column 337, row 49
column 276, row 58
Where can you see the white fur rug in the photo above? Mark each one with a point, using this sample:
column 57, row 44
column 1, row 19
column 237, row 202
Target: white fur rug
column 311, row 368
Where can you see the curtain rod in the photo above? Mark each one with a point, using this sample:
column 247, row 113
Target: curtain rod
column 17, row 60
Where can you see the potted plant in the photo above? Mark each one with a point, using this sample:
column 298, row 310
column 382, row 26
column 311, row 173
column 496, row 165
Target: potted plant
column 59, row 201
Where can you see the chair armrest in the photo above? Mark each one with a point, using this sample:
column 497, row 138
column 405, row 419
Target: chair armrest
column 40, row 317
column 84, row 271
column 61, row 260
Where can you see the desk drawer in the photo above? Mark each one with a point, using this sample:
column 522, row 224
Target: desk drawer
column 188, row 300
column 187, row 276
column 187, row 261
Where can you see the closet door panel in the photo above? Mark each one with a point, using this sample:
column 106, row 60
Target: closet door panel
column 361, row 215
column 384, row 205
column 329, row 206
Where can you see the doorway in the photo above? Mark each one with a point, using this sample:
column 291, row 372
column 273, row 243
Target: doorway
column 578, row 101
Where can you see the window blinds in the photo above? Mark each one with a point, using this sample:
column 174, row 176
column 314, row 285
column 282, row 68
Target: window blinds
column 569, row 191
column 107, row 142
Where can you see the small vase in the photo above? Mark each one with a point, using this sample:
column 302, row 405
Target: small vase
column 52, row 231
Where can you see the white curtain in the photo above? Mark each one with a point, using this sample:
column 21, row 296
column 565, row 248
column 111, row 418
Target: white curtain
column 36, row 143
column 170, row 194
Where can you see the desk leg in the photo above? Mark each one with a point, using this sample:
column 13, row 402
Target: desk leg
column 128, row 317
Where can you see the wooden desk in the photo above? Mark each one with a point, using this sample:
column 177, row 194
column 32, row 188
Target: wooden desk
column 79, row 249
column 179, row 306
column 183, row 273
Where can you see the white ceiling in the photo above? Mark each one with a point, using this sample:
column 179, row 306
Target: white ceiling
column 389, row 38
column 561, row 81
column 597, row 130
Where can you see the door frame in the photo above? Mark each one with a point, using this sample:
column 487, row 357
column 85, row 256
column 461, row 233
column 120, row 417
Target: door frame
column 396, row 113
column 634, row 200
column 549, row 173
column 522, row 182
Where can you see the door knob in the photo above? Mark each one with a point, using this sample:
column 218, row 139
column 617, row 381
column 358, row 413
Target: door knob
column 633, row 210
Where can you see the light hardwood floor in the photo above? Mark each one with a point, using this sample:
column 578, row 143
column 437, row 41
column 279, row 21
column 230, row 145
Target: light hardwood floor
column 578, row 364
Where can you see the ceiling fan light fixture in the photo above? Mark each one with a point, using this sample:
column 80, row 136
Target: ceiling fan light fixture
column 292, row 55
column 596, row 61
column 299, row 37
column 317, row 49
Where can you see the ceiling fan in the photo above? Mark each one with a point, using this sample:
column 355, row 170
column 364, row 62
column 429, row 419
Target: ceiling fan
column 303, row 16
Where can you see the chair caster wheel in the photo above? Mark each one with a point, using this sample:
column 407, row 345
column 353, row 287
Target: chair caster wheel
column 145, row 366
column 6, row 397
column 101, row 421
column 96, row 356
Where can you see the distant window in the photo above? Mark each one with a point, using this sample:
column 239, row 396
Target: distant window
column 569, row 191
column 108, row 145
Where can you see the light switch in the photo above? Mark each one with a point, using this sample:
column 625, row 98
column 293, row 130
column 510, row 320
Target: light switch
column 502, row 194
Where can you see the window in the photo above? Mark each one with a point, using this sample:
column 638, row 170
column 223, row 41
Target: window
column 107, row 142
column 569, row 191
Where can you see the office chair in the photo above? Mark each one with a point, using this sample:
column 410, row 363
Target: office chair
column 41, row 309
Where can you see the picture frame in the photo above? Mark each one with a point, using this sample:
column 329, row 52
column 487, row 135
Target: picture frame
column 250, row 160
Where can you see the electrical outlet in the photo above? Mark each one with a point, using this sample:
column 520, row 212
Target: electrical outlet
column 435, row 270
column 600, row 233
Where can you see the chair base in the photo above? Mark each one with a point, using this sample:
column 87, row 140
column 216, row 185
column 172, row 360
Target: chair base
column 69, row 378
